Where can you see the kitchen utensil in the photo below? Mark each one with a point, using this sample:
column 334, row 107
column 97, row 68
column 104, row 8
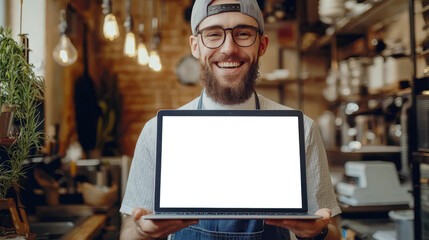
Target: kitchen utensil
column 188, row 70
column 98, row 195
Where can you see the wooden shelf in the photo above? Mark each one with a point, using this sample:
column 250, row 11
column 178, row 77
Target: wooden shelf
column 379, row 12
column 367, row 149
column 384, row 93
column 372, row 149
column 358, row 25
column 6, row 141
column 421, row 157
column 373, row 111
column 321, row 42
column 422, row 53
column 274, row 83
column 346, row 208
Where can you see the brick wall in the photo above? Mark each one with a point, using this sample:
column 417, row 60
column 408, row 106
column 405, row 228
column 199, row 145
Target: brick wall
column 144, row 91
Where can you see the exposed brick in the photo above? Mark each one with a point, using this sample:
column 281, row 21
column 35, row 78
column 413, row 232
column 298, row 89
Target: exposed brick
column 143, row 91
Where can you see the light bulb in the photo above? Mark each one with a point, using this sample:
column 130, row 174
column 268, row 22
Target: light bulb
column 130, row 45
column 110, row 27
column 155, row 61
column 142, row 54
column 65, row 53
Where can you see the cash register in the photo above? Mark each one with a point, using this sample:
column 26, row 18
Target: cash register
column 371, row 183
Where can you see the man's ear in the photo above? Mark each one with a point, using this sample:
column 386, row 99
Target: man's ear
column 263, row 45
column 193, row 42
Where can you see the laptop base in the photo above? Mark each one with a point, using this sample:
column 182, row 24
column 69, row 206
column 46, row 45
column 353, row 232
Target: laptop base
column 165, row 216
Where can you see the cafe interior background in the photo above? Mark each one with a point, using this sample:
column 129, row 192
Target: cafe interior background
column 358, row 68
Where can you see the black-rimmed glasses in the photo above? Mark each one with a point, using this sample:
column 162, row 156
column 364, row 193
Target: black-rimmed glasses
column 214, row 37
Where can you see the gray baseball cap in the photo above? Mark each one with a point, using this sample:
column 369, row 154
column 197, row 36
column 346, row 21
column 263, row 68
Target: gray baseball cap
column 201, row 10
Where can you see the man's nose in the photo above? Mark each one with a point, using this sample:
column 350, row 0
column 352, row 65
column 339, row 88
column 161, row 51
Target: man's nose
column 229, row 46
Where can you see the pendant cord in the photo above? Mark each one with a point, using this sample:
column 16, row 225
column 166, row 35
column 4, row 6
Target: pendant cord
column 65, row 10
column 151, row 14
column 141, row 17
column 20, row 19
column 141, row 10
column 128, row 24
column 128, row 7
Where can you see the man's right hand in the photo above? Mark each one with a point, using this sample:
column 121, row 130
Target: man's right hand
column 135, row 227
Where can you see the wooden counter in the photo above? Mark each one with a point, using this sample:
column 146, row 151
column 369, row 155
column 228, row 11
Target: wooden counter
column 89, row 228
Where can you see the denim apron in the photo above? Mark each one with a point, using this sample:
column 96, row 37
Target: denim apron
column 231, row 229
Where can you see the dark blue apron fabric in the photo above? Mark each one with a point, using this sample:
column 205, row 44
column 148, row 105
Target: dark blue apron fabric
column 231, row 229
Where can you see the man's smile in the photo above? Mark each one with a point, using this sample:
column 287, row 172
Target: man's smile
column 229, row 64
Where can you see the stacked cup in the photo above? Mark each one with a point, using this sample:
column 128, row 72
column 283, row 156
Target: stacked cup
column 331, row 10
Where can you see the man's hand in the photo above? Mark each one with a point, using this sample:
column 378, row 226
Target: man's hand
column 137, row 228
column 309, row 228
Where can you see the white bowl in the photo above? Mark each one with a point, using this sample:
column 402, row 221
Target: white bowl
column 350, row 4
column 327, row 3
column 360, row 8
column 327, row 20
column 339, row 5
column 332, row 5
column 330, row 1
column 323, row 9
column 327, row 9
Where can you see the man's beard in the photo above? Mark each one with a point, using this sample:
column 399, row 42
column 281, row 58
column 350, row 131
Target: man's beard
column 230, row 95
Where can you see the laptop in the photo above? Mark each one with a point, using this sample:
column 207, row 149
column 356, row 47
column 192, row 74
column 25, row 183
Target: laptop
column 222, row 164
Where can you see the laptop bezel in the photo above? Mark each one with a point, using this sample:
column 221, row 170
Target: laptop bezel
column 165, row 113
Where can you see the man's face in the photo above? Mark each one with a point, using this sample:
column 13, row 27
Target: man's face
column 229, row 72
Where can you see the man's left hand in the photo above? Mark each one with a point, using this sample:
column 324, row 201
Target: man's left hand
column 305, row 228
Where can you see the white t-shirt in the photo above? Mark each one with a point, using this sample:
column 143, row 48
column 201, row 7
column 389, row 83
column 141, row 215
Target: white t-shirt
column 141, row 180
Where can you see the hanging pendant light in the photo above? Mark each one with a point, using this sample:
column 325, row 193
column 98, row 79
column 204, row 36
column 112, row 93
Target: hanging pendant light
column 110, row 25
column 130, row 38
column 65, row 54
column 130, row 45
column 154, row 59
column 142, row 54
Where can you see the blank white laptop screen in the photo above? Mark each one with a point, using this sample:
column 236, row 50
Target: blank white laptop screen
column 230, row 162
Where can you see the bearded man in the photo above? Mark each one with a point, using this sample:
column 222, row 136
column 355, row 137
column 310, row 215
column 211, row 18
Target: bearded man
column 228, row 39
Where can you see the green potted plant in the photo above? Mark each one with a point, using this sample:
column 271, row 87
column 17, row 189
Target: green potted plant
column 22, row 91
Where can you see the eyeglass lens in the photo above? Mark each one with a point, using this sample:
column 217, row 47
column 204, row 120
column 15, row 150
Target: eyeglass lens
column 214, row 37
